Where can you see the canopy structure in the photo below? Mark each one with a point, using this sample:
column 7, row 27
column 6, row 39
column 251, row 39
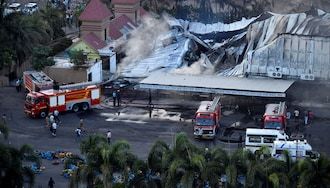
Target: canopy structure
column 217, row 84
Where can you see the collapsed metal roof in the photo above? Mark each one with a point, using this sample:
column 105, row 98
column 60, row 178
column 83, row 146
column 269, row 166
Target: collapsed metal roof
column 217, row 84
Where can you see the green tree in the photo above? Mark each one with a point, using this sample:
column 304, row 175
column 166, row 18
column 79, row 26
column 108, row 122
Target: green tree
column 13, row 171
column 183, row 164
column 77, row 57
column 102, row 160
column 314, row 173
column 55, row 19
column 40, row 57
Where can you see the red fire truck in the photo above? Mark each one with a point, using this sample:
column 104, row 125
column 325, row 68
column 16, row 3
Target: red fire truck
column 275, row 116
column 36, row 81
column 73, row 97
column 207, row 119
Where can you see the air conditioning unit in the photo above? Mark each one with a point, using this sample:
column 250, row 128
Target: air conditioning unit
column 274, row 74
column 307, row 77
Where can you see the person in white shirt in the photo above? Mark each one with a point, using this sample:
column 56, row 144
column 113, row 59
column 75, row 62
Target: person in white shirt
column 54, row 126
column 56, row 116
column 78, row 132
column 109, row 136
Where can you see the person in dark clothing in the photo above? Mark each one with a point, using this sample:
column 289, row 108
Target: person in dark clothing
column 51, row 183
column 114, row 97
column 118, row 97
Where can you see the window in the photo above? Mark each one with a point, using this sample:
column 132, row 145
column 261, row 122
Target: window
column 273, row 125
column 204, row 121
column 255, row 139
column 269, row 139
column 279, row 152
column 89, row 77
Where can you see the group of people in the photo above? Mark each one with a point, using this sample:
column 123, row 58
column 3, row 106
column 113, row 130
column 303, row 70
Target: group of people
column 52, row 121
column 116, row 97
column 308, row 115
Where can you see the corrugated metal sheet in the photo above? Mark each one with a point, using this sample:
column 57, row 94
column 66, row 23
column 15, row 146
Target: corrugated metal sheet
column 294, row 55
column 217, row 84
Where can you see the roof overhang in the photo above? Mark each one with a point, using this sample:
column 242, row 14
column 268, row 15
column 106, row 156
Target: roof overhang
column 217, row 85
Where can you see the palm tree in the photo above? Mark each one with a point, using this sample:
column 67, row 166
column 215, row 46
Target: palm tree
column 156, row 156
column 314, row 173
column 216, row 162
column 12, row 169
column 102, row 160
column 183, row 164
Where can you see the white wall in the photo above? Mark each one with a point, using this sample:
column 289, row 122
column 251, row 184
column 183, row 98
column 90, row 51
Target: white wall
column 96, row 70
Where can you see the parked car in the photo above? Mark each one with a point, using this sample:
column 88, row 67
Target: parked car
column 121, row 84
column 13, row 7
column 30, row 8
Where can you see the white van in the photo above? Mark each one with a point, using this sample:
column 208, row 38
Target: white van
column 256, row 138
column 297, row 150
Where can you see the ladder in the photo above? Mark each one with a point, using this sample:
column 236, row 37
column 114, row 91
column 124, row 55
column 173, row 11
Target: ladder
column 79, row 85
column 214, row 103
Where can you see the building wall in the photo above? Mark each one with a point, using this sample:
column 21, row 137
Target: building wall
column 294, row 56
column 131, row 11
column 66, row 75
column 100, row 29
column 96, row 72
column 92, row 55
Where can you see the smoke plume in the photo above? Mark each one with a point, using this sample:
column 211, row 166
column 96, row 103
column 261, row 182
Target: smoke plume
column 142, row 40
column 201, row 66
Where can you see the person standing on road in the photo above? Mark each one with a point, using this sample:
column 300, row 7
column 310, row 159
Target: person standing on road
column 296, row 114
column 114, row 97
column 118, row 97
column 51, row 183
column 109, row 137
column 306, row 118
column 78, row 132
column 4, row 118
column 51, row 119
column 56, row 116
column 54, row 127
column 81, row 124
column 18, row 83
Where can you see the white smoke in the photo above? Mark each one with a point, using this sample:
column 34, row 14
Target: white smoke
column 143, row 39
column 201, row 66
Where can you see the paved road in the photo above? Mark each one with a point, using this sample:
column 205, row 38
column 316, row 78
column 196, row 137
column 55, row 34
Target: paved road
column 132, row 124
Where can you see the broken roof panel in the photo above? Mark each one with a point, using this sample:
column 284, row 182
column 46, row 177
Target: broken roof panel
column 167, row 57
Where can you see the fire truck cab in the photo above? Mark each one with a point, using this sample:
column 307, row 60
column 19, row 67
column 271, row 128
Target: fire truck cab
column 275, row 116
column 207, row 119
column 39, row 104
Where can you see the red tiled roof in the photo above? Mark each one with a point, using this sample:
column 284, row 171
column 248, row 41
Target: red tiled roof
column 95, row 11
column 143, row 12
column 119, row 23
column 125, row 1
column 93, row 41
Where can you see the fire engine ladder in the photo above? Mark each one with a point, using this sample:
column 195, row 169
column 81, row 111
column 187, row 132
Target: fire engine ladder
column 281, row 108
column 214, row 103
column 79, row 85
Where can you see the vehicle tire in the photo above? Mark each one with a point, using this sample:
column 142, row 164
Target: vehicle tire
column 85, row 106
column 43, row 114
column 75, row 108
